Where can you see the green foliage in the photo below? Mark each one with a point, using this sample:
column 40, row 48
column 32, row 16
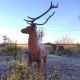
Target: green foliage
column 78, row 48
column 10, row 49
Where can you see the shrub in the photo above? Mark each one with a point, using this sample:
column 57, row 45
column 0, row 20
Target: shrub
column 21, row 72
column 10, row 50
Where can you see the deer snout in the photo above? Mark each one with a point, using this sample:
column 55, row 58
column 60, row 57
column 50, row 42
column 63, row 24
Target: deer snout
column 22, row 30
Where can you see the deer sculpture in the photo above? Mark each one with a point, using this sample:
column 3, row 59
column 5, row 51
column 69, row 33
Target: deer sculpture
column 37, row 52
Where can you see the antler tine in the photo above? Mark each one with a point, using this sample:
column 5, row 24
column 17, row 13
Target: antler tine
column 30, row 17
column 46, row 19
column 27, row 21
column 57, row 5
column 53, row 6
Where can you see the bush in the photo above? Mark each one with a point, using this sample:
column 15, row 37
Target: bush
column 69, row 52
column 21, row 72
column 10, row 50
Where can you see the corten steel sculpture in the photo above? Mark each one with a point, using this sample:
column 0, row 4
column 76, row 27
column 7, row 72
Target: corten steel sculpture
column 37, row 53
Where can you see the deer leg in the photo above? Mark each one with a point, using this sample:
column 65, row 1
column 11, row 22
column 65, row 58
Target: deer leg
column 39, row 67
column 29, row 63
column 45, row 67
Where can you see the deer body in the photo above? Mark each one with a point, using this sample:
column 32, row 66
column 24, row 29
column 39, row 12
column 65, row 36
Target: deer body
column 37, row 52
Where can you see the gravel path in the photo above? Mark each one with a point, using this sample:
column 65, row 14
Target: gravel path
column 64, row 68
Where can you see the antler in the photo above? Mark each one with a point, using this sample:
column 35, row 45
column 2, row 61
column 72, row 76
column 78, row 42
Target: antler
column 33, row 19
column 46, row 19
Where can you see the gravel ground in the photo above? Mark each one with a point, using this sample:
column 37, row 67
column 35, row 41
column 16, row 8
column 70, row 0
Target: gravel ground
column 60, row 67
column 64, row 68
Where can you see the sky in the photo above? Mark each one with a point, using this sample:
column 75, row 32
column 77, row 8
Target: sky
column 65, row 21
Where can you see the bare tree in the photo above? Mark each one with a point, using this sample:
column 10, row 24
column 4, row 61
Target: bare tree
column 6, row 40
column 65, row 40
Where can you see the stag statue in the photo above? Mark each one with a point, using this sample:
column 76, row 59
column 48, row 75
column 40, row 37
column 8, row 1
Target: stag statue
column 37, row 52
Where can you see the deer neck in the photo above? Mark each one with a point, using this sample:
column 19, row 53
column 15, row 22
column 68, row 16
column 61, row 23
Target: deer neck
column 33, row 43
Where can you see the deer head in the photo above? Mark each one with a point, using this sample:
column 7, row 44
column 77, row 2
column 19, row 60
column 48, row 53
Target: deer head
column 31, row 20
column 29, row 30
